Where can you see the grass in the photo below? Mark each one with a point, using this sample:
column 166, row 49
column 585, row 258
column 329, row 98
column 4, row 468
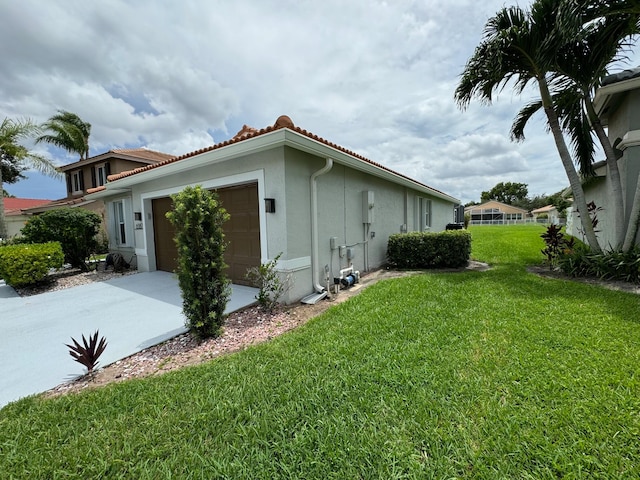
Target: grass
column 497, row 374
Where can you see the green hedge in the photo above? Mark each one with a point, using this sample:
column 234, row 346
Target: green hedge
column 29, row 263
column 450, row 249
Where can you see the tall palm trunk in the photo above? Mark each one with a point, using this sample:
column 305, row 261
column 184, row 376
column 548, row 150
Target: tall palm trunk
column 634, row 221
column 574, row 180
column 3, row 223
column 619, row 207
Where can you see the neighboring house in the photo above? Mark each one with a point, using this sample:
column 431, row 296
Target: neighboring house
column 617, row 103
column 547, row 214
column 495, row 213
column 287, row 191
column 93, row 172
column 16, row 213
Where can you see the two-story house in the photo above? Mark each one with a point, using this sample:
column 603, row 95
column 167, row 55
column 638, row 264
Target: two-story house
column 93, row 172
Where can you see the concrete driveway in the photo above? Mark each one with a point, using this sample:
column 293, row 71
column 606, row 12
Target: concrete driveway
column 133, row 312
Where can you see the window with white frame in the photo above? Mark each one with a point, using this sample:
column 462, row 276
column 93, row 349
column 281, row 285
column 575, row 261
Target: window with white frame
column 101, row 175
column 77, row 182
column 121, row 229
column 424, row 214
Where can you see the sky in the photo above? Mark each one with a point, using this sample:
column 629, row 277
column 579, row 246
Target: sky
column 376, row 77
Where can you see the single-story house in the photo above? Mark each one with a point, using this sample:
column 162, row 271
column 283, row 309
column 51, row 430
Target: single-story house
column 546, row 214
column 495, row 213
column 16, row 213
column 289, row 192
column 617, row 102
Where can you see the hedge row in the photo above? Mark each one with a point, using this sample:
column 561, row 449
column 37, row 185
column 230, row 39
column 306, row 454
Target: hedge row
column 448, row 249
column 25, row 264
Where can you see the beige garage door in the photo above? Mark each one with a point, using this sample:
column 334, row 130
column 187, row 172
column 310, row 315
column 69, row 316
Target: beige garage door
column 163, row 233
column 242, row 232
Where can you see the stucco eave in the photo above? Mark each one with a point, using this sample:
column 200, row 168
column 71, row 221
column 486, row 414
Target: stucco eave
column 606, row 95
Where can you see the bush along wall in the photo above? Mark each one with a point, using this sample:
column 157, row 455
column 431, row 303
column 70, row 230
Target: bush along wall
column 448, row 249
column 74, row 228
column 26, row 264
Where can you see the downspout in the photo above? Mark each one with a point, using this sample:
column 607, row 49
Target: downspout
column 314, row 224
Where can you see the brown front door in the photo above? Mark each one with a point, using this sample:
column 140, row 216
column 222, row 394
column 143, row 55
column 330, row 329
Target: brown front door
column 163, row 233
column 242, row 230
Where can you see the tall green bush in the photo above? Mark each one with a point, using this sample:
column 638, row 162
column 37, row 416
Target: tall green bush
column 26, row 264
column 74, row 228
column 198, row 217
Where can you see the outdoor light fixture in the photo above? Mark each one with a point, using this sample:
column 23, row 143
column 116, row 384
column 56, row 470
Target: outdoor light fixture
column 270, row 205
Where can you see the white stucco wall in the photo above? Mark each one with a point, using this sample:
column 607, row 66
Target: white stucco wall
column 340, row 215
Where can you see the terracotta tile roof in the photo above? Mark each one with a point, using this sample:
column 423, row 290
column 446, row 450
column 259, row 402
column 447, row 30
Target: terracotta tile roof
column 14, row 206
column 142, row 153
column 247, row 133
column 97, row 189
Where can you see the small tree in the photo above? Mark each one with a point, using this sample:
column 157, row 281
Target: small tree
column 271, row 285
column 198, row 216
column 74, row 228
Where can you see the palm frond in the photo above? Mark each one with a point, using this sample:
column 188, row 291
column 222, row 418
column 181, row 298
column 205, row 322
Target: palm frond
column 524, row 115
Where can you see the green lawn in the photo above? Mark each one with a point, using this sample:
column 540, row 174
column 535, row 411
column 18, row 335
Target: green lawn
column 497, row 374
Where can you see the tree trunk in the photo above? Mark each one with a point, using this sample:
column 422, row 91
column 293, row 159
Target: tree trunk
column 618, row 206
column 579, row 201
column 634, row 221
column 3, row 224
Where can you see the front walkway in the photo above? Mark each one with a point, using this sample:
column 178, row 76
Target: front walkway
column 133, row 312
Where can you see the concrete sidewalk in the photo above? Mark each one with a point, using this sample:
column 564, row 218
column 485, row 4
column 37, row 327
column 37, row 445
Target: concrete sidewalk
column 133, row 312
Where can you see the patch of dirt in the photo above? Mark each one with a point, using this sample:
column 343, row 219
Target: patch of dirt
column 241, row 329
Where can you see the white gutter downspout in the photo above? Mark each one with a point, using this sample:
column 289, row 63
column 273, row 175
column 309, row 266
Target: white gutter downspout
column 314, row 228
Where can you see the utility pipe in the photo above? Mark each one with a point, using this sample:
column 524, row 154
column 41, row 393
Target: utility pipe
column 314, row 224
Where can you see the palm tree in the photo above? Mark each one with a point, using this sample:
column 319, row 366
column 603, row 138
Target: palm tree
column 588, row 37
column 67, row 131
column 516, row 48
column 14, row 157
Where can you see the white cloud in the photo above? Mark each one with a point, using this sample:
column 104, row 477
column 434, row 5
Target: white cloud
column 376, row 77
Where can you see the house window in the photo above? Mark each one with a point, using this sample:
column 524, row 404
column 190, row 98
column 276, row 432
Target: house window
column 424, row 214
column 101, row 175
column 121, row 229
column 77, row 182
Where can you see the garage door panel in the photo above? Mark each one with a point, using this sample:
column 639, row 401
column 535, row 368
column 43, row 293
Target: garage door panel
column 164, row 232
column 242, row 232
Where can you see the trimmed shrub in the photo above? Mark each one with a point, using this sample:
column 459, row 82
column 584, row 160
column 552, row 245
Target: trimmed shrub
column 74, row 228
column 448, row 249
column 26, row 264
column 198, row 216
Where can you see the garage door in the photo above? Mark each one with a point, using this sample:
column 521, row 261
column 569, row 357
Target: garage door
column 242, row 232
column 163, row 233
